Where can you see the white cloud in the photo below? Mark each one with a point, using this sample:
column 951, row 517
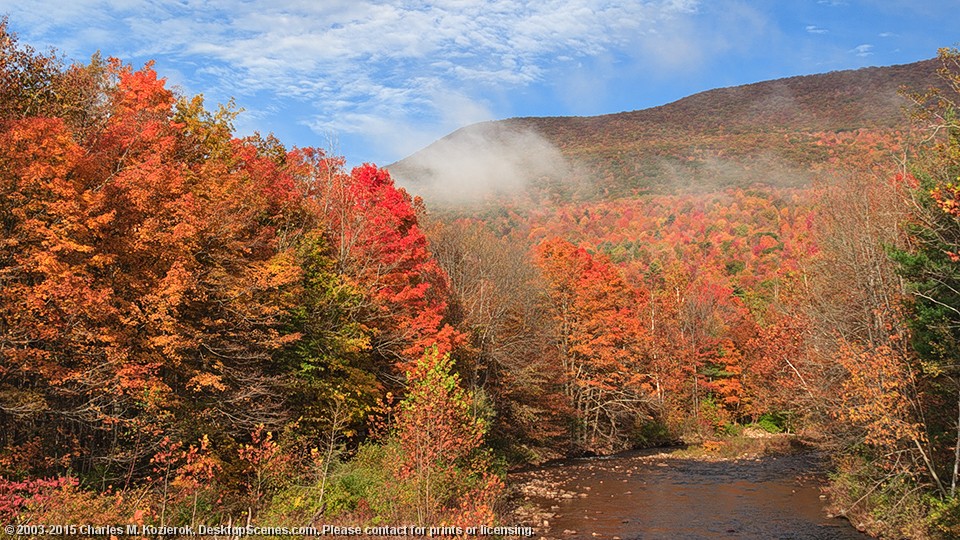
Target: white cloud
column 374, row 68
column 811, row 29
column 863, row 50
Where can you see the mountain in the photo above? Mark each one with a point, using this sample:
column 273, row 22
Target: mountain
column 777, row 132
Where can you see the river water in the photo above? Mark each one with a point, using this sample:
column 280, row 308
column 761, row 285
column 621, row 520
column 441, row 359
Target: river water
column 652, row 495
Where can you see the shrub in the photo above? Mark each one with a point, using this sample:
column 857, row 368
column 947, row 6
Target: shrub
column 772, row 422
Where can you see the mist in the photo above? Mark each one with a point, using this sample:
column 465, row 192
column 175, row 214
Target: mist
column 480, row 162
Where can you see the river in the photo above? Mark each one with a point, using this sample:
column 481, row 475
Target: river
column 654, row 495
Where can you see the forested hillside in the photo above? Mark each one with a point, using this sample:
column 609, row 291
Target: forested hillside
column 200, row 329
column 767, row 254
column 780, row 132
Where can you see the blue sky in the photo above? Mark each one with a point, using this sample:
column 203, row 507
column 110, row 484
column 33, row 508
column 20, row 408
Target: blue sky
column 376, row 81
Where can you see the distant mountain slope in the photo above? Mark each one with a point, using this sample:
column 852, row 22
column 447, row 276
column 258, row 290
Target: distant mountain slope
column 779, row 132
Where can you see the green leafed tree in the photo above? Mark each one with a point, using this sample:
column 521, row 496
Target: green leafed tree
column 932, row 267
column 440, row 443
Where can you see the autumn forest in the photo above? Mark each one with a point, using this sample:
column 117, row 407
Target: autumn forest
column 198, row 328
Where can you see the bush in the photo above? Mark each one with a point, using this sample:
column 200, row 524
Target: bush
column 655, row 433
column 432, row 468
column 772, row 422
column 883, row 504
column 945, row 516
column 365, row 487
column 62, row 501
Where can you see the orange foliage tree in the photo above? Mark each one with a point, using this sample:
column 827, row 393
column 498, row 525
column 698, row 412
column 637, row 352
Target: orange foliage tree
column 600, row 343
column 164, row 282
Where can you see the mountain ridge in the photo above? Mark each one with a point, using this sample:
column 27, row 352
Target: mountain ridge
column 789, row 124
